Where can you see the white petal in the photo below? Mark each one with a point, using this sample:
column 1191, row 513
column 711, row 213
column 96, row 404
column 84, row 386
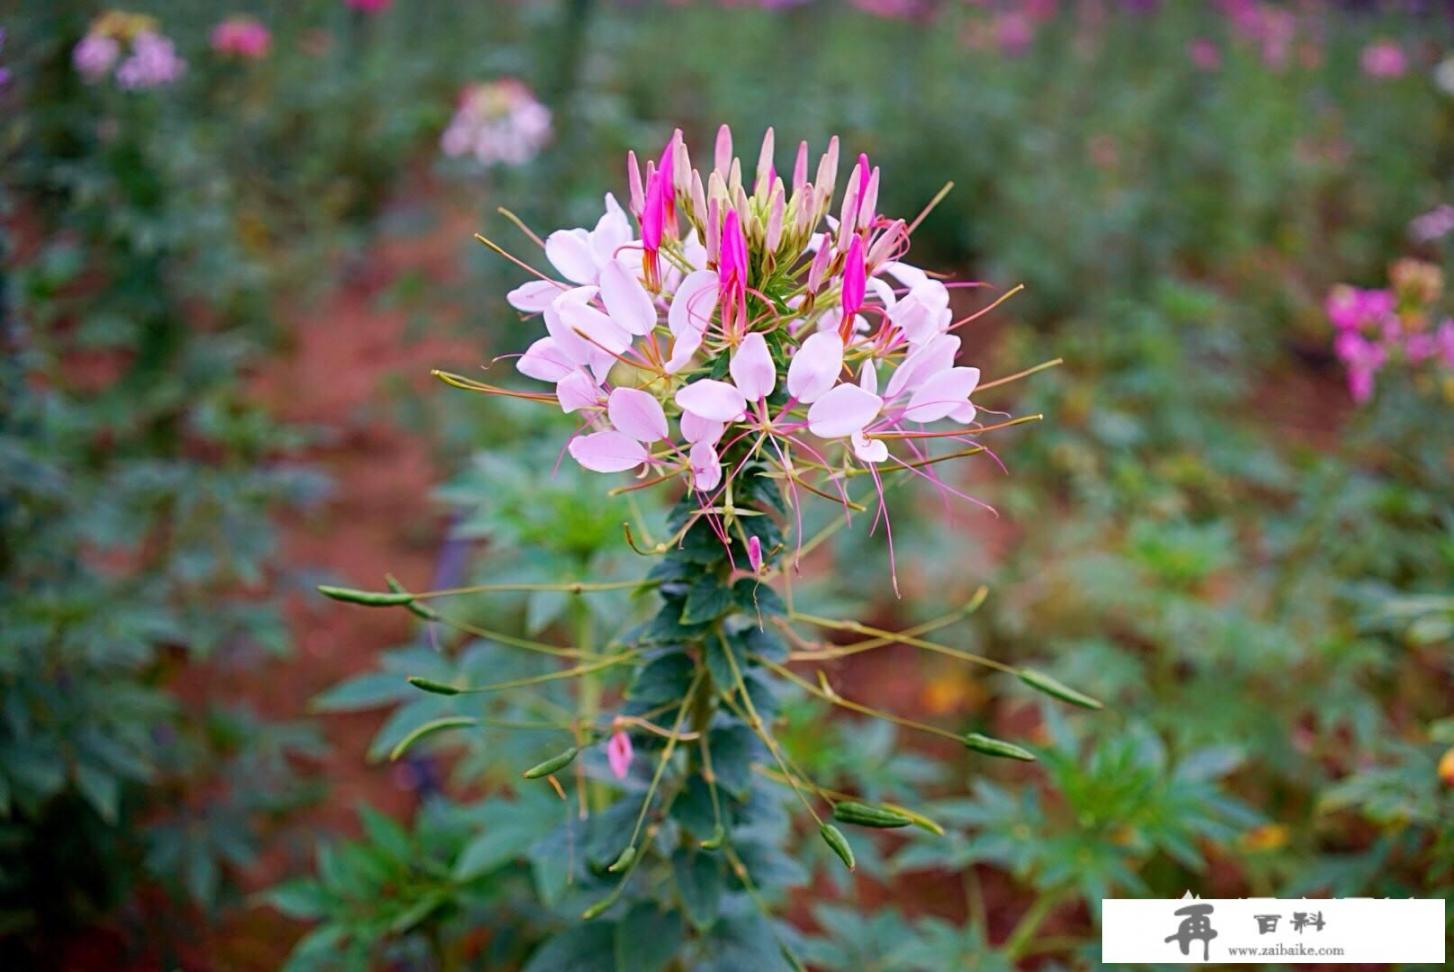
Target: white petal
column 534, row 295
column 682, row 349
column 570, row 251
column 843, row 411
column 706, row 466
column 752, row 369
column 693, row 303
column 711, row 399
column 602, row 331
column 607, row 451
column 637, row 413
column 545, row 361
column 577, row 391
column 697, row 429
column 626, row 300
column 869, row 450
column 942, row 394
column 814, row 368
column 924, row 361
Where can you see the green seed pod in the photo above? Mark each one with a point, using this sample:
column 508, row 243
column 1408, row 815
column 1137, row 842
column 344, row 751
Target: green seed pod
column 624, row 861
column 369, row 598
column 991, row 746
column 594, row 911
column 555, row 763
column 715, row 841
column 835, row 839
column 430, row 685
column 868, row 815
column 1044, row 683
column 429, row 728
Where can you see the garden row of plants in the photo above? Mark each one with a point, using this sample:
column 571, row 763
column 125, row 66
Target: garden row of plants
column 1253, row 575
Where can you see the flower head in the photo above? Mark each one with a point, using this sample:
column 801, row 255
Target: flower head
column 741, row 325
column 241, row 36
column 133, row 44
column 498, row 122
column 1383, row 59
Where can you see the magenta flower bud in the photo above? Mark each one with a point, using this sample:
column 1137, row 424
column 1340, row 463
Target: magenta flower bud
column 754, row 554
column 653, row 212
column 732, row 275
column 855, row 282
column 868, row 205
column 699, row 199
column 619, row 754
column 723, row 159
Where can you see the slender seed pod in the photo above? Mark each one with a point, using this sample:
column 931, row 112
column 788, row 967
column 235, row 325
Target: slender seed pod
column 414, row 607
column 835, row 839
column 428, row 729
column 430, row 685
column 868, row 815
column 368, row 598
column 624, row 861
column 1044, row 683
column 991, row 746
column 552, row 765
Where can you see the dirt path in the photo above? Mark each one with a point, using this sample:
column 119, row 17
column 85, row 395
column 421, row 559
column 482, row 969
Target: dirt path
column 351, row 353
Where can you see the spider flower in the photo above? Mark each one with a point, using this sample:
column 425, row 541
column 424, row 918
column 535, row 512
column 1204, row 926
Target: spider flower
column 744, row 321
column 499, row 122
column 241, row 36
column 134, row 46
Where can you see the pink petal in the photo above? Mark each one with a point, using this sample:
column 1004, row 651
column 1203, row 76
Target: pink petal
column 567, row 341
column 697, row 429
column 577, row 391
column 752, row 369
column 843, row 411
column 855, row 278
column 754, row 553
column 942, row 394
column 533, row 296
column 637, row 413
column 618, row 754
column 545, row 361
column 682, row 349
column 570, row 251
column 693, row 303
column 921, row 363
column 712, row 399
column 815, row 367
column 607, row 451
column 626, row 300
column 869, row 450
column 603, row 332
column 706, row 466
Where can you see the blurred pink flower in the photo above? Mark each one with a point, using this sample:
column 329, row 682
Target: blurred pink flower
column 1435, row 224
column 498, row 122
column 152, row 64
column 1204, row 54
column 1014, row 33
column 370, row 6
column 241, row 36
column 95, row 55
column 618, row 754
column 1383, row 59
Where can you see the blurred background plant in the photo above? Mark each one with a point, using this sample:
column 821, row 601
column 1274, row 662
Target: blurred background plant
column 1218, row 531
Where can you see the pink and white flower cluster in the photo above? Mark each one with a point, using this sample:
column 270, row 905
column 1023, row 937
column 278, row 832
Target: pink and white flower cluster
column 497, row 122
column 1374, row 328
column 730, row 316
column 130, row 49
